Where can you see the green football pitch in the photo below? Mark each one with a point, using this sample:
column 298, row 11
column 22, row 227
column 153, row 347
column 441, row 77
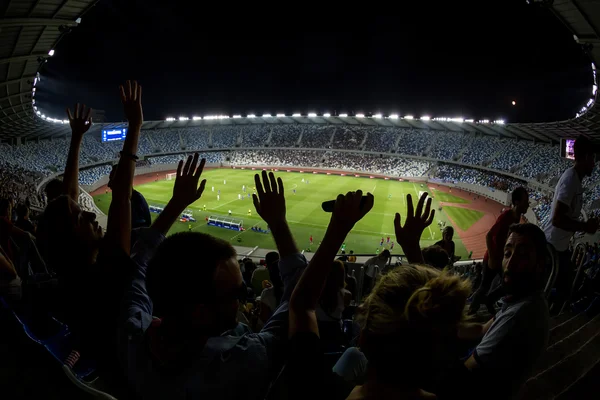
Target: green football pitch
column 304, row 211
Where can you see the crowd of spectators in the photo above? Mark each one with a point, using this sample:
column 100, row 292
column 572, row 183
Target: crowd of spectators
column 90, row 176
column 299, row 158
column 481, row 149
column 255, row 135
column 285, row 135
column 457, row 173
column 513, row 154
column 379, row 139
column 414, row 142
column 225, row 137
column 194, row 138
column 348, row 137
column 164, row 140
column 317, row 137
column 448, row 145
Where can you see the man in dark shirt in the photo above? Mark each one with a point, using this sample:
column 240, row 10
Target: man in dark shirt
column 495, row 241
column 447, row 243
column 23, row 221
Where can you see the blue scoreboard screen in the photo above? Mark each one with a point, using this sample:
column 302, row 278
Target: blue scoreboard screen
column 110, row 135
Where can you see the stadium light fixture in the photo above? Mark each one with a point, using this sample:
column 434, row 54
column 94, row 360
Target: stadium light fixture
column 183, row 118
column 378, row 116
column 237, row 116
column 425, row 118
column 499, row 121
column 222, row 116
column 196, row 118
column 35, row 81
column 210, row 117
column 65, row 121
column 51, row 53
column 459, row 120
column 360, row 115
column 327, row 115
column 251, row 116
column 296, row 115
column 38, row 113
column 170, row 119
column 409, row 117
column 589, row 103
column 312, row 115
column 43, row 116
column 483, row 121
column 594, row 89
column 469, row 120
column 343, row 115
column 266, row 115
column 280, row 115
column 394, row 116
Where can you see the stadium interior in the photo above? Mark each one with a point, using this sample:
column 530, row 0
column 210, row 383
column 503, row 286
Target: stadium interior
column 474, row 162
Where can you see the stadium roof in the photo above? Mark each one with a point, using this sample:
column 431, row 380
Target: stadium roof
column 30, row 29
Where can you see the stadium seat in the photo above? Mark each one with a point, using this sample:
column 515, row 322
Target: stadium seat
column 80, row 371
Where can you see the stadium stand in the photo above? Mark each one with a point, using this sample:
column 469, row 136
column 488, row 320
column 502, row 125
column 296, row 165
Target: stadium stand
column 285, row 135
column 255, row 136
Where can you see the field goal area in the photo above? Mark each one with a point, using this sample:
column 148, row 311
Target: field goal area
column 171, row 176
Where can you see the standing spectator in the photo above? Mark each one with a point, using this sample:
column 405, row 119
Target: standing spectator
column 566, row 208
column 495, row 241
column 380, row 261
column 447, row 243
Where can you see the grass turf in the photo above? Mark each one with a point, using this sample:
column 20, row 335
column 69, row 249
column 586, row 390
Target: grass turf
column 304, row 211
column 463, row 217
column 448, row 197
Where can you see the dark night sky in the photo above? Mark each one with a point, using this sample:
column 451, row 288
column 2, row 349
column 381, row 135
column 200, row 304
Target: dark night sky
column 467, row 59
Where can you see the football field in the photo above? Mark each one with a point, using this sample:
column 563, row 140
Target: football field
column 304, row 212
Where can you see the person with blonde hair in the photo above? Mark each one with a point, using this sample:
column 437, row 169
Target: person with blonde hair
column 408, row 322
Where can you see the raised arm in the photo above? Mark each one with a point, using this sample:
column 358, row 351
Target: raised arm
column 119, row 214
column 185, row 192
column 80, row 124
column 409, row 235
column 270, row 205
column 305, row 298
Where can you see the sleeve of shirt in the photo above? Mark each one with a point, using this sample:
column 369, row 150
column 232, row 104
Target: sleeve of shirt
column 137, row 304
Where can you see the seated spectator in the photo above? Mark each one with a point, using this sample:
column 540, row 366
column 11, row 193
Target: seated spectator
column 436, row 257
column 332, row 303
column 260, row 274
column 53, row 189
column 352, row 257
column 23, row 221
column 270, row 297
column 448, row 244
column 197, row 348
column 379, row 261
column 10, row 283
column 92, row 271
column 408, row 322
column 516, row 337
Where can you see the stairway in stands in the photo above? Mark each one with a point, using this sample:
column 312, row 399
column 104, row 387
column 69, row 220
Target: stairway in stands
column 570, row 368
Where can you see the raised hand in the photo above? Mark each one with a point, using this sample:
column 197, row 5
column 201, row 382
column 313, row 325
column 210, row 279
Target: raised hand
column 186, row 190
column 131, row 97
column 270, row 201
column 347, row 210
column 82, row 121
column 415, row 223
